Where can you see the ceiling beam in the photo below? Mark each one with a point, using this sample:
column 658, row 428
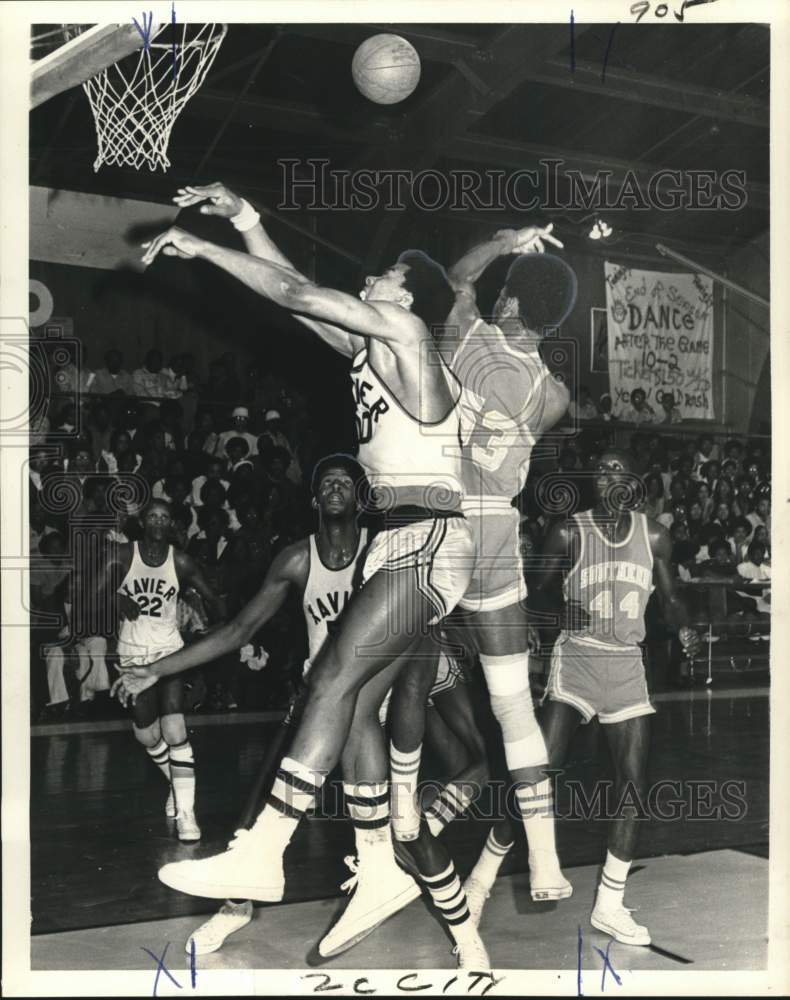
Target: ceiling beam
column 655, row 91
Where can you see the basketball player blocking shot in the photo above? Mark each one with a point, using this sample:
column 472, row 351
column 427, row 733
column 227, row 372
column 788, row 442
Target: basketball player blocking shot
column 148, row 576
column 414, row 572
column 509, row 400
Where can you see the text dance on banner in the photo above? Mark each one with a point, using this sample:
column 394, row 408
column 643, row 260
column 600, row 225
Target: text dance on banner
column 660, row 331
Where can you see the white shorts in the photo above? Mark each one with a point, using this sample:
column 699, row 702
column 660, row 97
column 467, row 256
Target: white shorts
column 439, row 550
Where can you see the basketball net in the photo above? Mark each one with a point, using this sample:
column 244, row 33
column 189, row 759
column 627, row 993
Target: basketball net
column 136, row 101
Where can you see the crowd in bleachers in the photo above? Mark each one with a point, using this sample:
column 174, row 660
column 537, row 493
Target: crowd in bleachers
column 229, row 454
column 232, row 455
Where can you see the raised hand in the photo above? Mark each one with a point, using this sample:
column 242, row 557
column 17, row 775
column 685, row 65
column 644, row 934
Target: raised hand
column 174, row 242
column 132, row 682
column 530, row 239
column 220, row 201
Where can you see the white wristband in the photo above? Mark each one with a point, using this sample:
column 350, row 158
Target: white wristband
column 247, row 217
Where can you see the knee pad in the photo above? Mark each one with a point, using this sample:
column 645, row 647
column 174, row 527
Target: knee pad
column 507, row 678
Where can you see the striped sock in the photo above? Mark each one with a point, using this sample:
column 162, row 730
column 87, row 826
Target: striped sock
column 160, row 755
column 369, row 806
column 450, row 899
column 294, row 792
column 611, row 888
column 490, row 860
column 536, row 805
column 451, row 802
column 182, row 774
column 404, row 771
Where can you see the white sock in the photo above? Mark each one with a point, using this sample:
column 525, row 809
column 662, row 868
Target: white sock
column 294, row 791
column 404, row 773
column 490, row 860
column 611, row 888
column 160, row 755
column 369, row 807
column 450, row 899
column 451, row 802
column 536, row 805
column 182, row 775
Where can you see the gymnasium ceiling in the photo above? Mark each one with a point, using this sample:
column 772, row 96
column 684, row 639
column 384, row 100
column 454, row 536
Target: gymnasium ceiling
column 491, row 97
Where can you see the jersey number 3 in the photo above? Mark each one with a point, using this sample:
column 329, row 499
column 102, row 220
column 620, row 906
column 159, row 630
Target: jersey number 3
column 602, row 604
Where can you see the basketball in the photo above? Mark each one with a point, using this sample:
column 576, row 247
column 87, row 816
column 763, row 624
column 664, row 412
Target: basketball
column 386, row 69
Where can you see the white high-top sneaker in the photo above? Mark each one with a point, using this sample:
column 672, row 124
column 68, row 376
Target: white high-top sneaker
column 187, row 827
column 547, row 882
column 211, row 935
column 246, row 870
column 380, row 890
column 619, row 924
column 476, row 896
column 471, row 953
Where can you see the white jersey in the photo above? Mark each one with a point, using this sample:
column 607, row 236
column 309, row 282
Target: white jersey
column 398, row 451
column 154, row 589
column 326, row 593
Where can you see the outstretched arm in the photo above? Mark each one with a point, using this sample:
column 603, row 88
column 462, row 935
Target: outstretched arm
column 674, row 608
column 191, row 575
column 380, row 320
column 219, row 200
column 289, row 567
column 465, row 272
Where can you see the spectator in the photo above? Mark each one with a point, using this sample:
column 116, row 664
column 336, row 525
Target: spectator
column 671, row 414
column 679, row 531
column 120, row 455
column 155, row 454
column 707, row 451
column 252, row 547
column 711, row 473
column 37, row 465
column 214, row 496
column 639, row 411
column 583, row 408
column 761, row 535
column 739, row 540
column 705, row 499
column 605, row 408
column 237, row 448
column 129, row 419
column 66, row 376
column 113, row 379
column 170, row 415
column 742, row 501
column 203, row 436
column 733, row 451
column 684, row 559
column 215, row 470
column 721, row 566
column 38, row 526
column 761, row 515
column 152, row 384
column 729, row 470
column 49, row 596
column 654, row 501
column 723, row 492
column 722, row 517
column 694, row 520
column 274, row 434
column 755, row 569
column 80, row 461
column 240, row 421
column 678, row 512
column 100, row 430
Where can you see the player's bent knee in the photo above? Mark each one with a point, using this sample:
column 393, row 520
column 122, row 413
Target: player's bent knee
column 147, row 736
column 507, row 678
column 174, row 728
